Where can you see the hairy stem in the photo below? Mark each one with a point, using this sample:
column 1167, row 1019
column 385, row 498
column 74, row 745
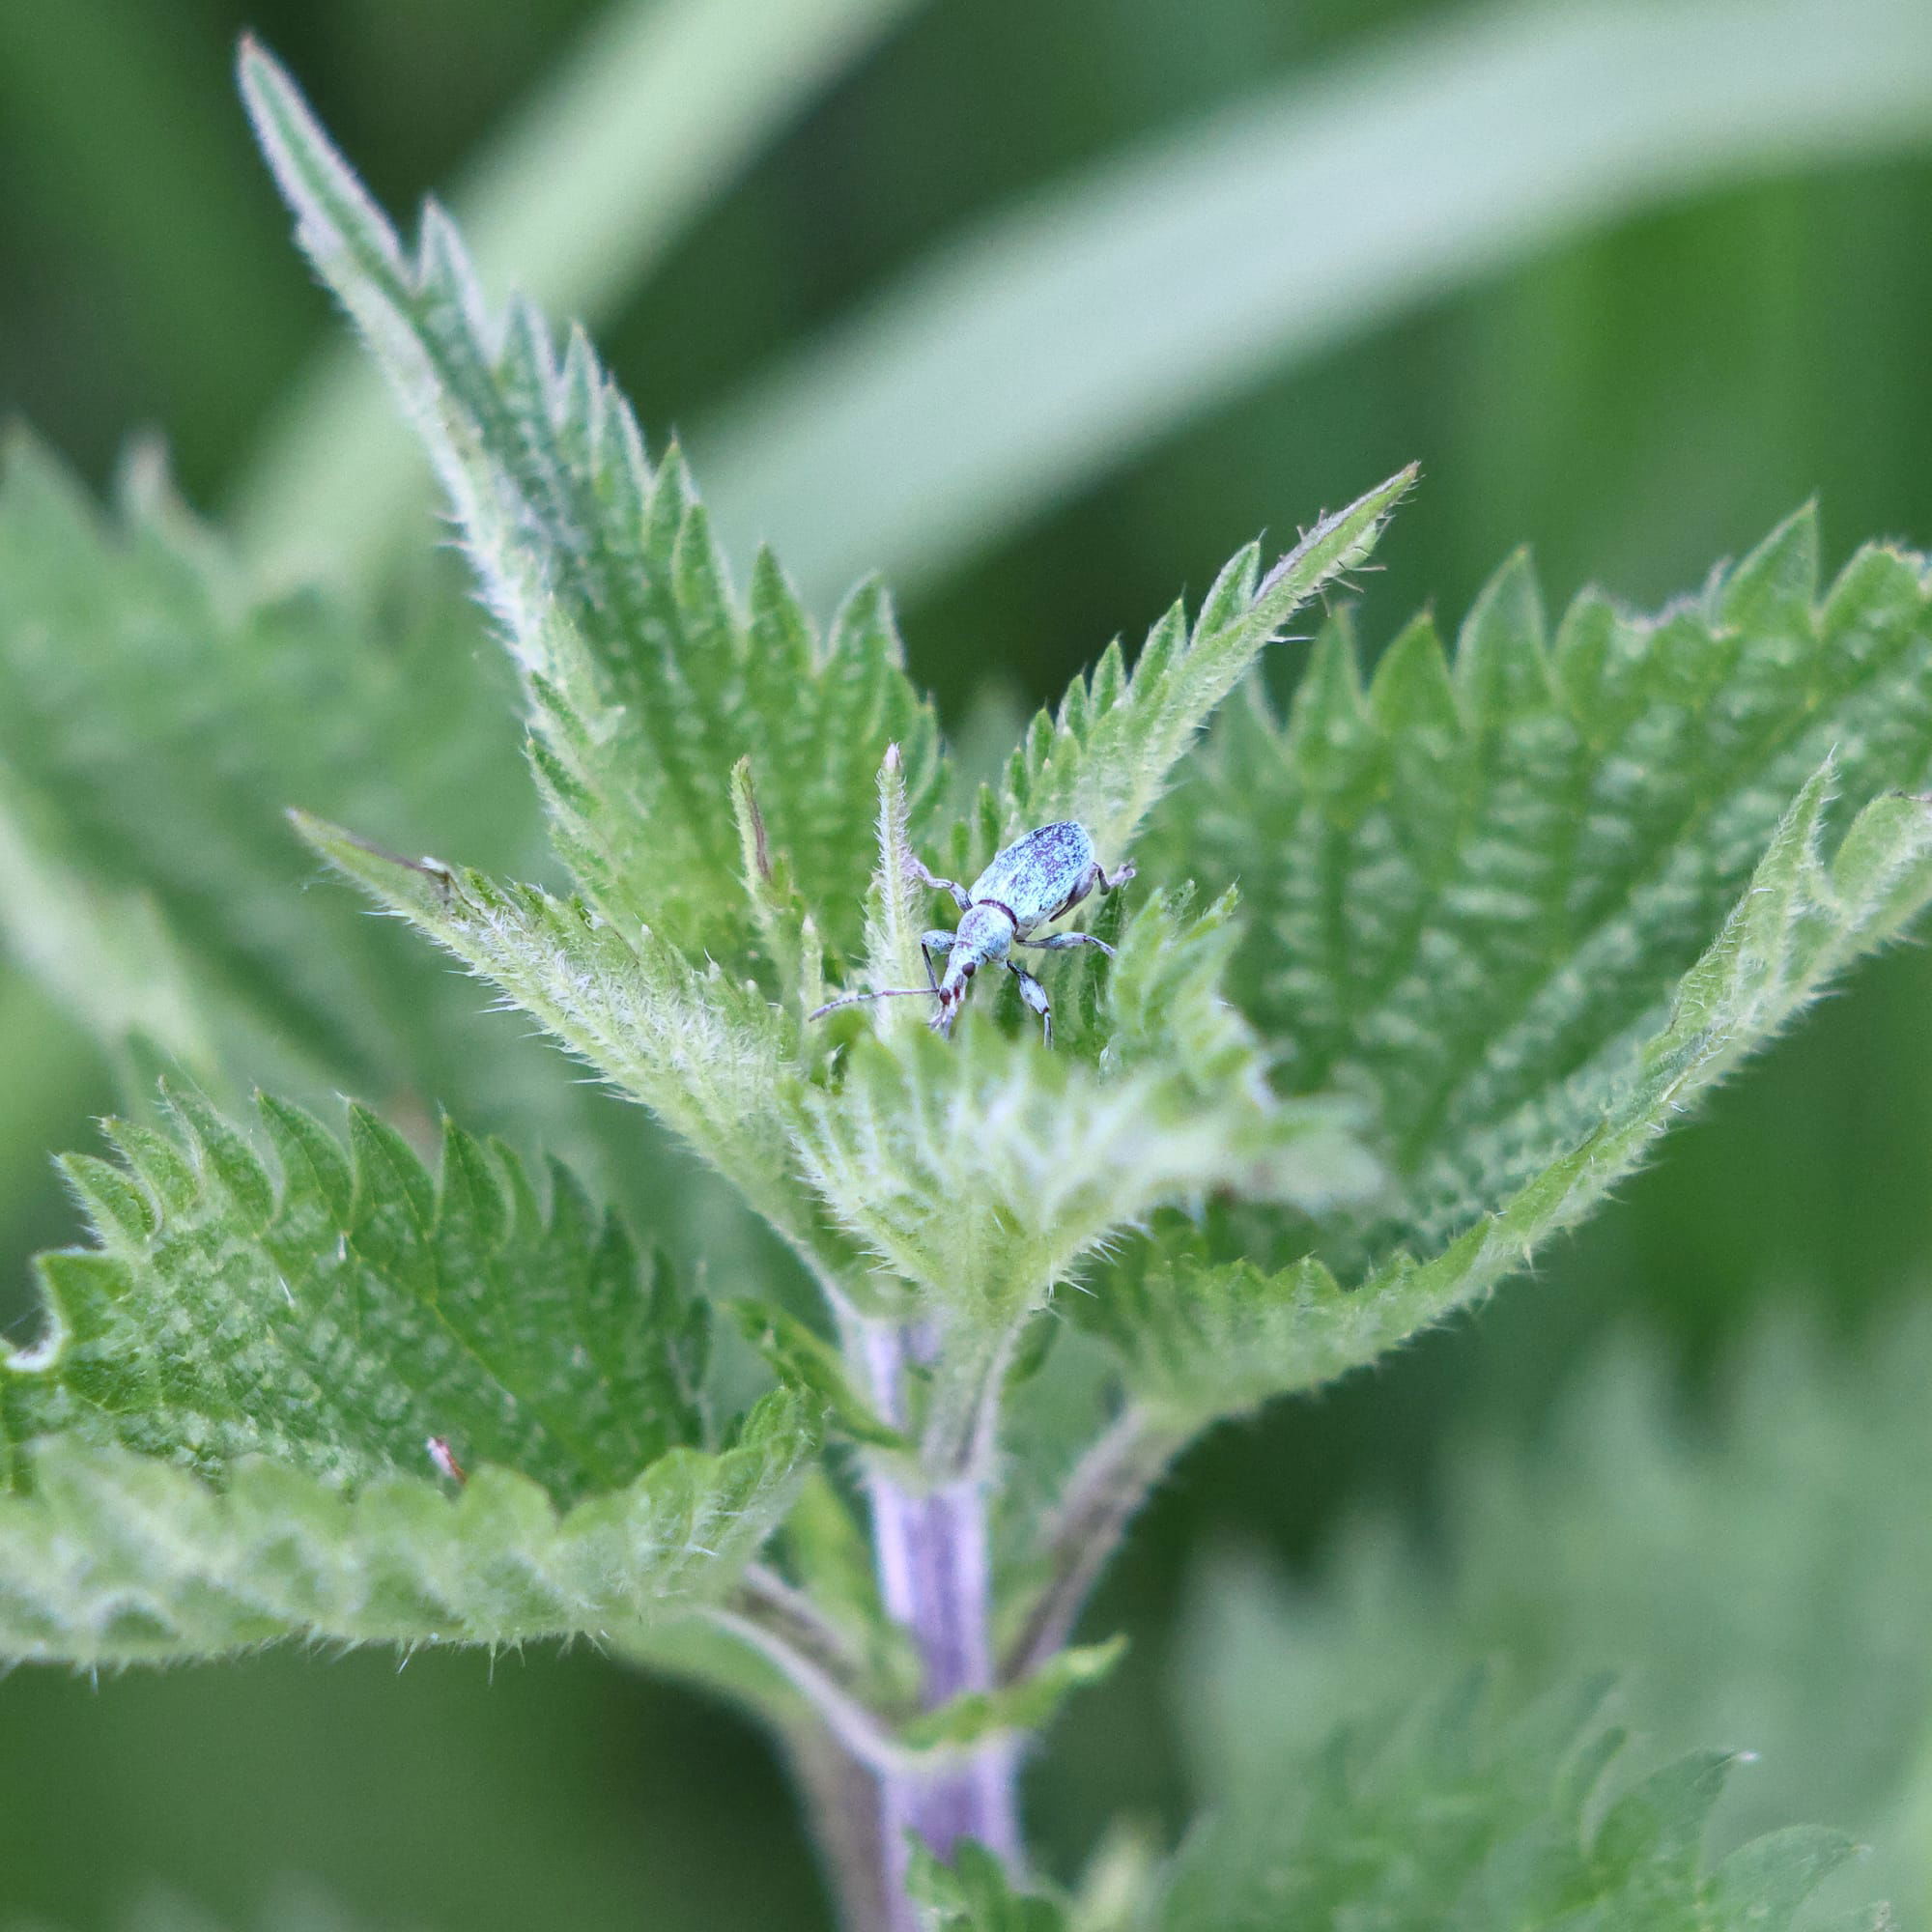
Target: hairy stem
column 1101, row 1498
column 936, row 1582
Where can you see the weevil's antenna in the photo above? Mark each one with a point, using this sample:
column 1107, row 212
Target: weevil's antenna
column 885, row 993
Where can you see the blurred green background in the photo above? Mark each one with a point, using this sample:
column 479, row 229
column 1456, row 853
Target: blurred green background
column 1636, row 373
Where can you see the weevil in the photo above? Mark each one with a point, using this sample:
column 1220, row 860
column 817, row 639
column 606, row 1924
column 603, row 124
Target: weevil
column 1032, row 882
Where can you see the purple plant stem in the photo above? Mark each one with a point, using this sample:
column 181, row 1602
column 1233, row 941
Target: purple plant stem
column 935, row 1579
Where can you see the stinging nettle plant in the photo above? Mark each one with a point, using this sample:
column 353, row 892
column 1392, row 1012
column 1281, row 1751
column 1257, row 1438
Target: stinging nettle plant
column 1502, row 915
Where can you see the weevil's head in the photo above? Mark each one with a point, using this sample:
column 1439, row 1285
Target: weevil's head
column 984, row 935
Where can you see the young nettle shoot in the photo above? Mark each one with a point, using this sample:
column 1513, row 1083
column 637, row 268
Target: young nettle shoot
column 1032, row 881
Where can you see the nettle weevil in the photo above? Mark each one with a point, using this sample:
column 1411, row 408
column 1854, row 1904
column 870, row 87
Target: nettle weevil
column 1034, row 880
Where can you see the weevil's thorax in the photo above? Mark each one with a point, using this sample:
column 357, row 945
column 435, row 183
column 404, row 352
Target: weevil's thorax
column 983, row 935
column 1039, row 875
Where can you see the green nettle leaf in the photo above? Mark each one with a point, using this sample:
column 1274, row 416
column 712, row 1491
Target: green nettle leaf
column 118, row 1558
column 985, row 1167
column 646, row 681
column 155, row 717
column 1463, row 1813
column 709, row 1056
column 281, row 1350
column 1765, row 1570
column 1105, row 756
column 344, row 1312
column 1597, row 1066
column 1474, row 889
column 1027, row 1705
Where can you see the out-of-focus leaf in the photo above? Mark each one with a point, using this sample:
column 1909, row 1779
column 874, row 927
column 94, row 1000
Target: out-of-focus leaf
column 974, row 1893
column 1460, row 1813
column 1765, row 1573
column 157, row 718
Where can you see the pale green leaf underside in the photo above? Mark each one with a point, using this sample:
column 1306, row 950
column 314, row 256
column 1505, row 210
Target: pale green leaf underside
column 1027, row 1706
column 1472, row 889
column 1462, row 1814
column 709, row 1056
column 340, row 1312
column 985, row 1166
column 1203, row 1340
column 648, row 681
column 118, row 1558
column 1106, row 756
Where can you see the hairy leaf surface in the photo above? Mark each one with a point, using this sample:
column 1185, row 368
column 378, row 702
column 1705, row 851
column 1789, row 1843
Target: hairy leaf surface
column 117, row 1558
column 985, row 1167
column 226, row 1430
column 1106, row 756
column 1473, row 888
column 708, row 1055
column 647, row 680
column 340, row 1312
column 1205, row 1340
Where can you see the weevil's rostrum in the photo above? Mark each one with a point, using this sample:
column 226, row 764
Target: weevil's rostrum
column 1032, row 882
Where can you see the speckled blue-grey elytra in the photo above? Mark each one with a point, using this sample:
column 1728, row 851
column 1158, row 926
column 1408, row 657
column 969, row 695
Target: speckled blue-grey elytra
column 1034, row 880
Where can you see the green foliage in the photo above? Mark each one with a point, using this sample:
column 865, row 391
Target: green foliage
column 1473, row 889
column 646, row 683
column 1540, row 921
column 1512, row 916
column 241, row 1350
column 707, row 1056
column 1462, row 1812
column 1021, row 1707
column 119, row 1558
column 1766, row 1577
column 522, row 1333
column 804, row 1359
column 156, row 716
column 1105, row 756
column 974, row 1895
column 982, row 1170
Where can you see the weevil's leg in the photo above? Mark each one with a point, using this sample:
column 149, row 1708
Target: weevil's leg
column 1113, row 883
column 951, row 886
column 1035, row 995
column 938, row 940
column 1064, row 942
